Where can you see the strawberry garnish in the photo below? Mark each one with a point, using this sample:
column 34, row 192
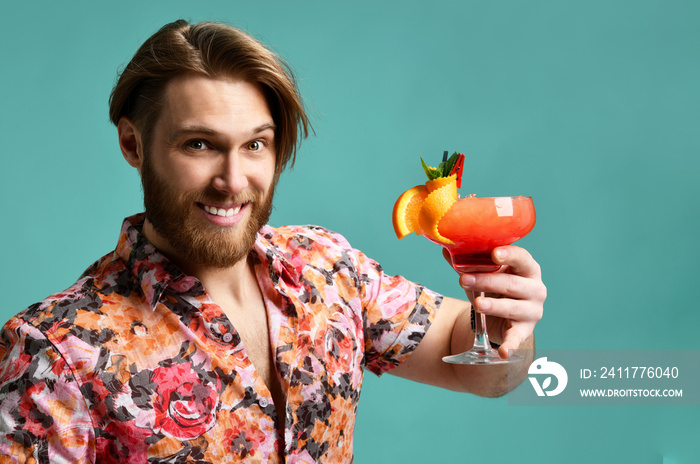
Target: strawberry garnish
column 457, row 169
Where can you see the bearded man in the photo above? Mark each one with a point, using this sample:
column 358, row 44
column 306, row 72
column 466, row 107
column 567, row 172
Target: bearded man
column 208, row 335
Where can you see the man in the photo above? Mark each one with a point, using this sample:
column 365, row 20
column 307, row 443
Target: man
column 207, row 335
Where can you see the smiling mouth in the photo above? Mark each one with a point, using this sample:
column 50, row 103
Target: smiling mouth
column 223, row 212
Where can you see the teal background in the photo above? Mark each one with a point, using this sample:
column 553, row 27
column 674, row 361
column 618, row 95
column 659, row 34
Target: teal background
column 592, row 108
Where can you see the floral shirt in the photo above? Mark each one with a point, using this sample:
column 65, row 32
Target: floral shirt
column 135, row 363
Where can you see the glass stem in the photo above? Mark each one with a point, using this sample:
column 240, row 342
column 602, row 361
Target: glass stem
column 481, row 337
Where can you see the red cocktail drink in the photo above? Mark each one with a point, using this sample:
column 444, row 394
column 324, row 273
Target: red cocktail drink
column 478, row 225
column 469, row 228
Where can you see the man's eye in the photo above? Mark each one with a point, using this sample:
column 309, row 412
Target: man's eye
column 255, row 146
column 197, row 144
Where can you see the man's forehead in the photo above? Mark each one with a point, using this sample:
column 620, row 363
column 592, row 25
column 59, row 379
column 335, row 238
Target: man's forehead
column 191, row 100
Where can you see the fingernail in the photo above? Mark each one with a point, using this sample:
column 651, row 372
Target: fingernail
column 468, row 280
column 484, row 304
column 501, row 253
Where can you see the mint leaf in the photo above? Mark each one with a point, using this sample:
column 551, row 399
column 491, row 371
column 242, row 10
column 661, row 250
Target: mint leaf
column 432, row 173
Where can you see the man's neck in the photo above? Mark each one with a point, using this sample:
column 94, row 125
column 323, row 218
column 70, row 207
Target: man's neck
column 232, row 286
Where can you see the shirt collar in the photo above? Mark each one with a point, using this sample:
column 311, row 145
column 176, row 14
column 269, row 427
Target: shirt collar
column 153, row 271
column 281, row 264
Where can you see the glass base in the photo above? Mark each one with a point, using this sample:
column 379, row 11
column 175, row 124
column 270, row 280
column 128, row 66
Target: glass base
column 481, row 356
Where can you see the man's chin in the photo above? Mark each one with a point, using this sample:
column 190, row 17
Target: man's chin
column 214, row 245
column 188, row 234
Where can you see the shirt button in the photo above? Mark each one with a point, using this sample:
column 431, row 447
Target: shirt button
column 228, row 337
column 263, row 402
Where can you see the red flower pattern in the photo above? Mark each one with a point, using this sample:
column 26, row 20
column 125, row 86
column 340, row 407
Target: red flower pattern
column 185, row 403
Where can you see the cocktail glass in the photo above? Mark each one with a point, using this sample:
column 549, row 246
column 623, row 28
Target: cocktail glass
column 477, row 226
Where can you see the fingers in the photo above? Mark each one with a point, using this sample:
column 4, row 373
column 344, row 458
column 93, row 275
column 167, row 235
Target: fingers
column 507, row 285
column 521, row 278
column 521, row 295
column 518, row 260
column 506, row 308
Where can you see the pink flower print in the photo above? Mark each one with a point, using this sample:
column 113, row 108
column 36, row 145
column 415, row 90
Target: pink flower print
column 185, row 402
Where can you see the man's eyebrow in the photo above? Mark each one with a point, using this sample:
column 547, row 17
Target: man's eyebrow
column 264, row 127
column 195, row 129
column 187, row 130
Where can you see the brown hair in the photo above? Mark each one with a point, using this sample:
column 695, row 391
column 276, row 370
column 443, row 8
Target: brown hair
column 213, row 50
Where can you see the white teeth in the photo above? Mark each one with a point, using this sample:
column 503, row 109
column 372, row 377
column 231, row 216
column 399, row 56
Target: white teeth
column 221, row 211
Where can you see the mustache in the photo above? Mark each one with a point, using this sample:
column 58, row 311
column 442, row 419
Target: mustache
column 217, row 198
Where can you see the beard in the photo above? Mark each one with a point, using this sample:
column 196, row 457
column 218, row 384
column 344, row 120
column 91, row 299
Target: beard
column 176, row 220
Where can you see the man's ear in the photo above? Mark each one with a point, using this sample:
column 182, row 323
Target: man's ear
column 130, row 142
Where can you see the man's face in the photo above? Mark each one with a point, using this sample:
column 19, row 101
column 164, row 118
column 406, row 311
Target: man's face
column 208, row 177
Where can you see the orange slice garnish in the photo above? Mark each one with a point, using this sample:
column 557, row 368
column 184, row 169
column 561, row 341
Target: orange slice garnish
column 407, row 209
column 443, row 193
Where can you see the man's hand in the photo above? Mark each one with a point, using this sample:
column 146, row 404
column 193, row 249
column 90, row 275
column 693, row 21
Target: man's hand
column 515, row 296
column 514, row 304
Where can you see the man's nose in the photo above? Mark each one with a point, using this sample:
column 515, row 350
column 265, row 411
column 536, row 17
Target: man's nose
column 231, row 178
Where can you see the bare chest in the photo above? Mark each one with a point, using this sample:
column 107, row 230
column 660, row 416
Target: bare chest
column 250, row 322
column 251, row 325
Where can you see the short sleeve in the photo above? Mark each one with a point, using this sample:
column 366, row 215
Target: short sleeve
column 396, row 315
column 43, row 416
